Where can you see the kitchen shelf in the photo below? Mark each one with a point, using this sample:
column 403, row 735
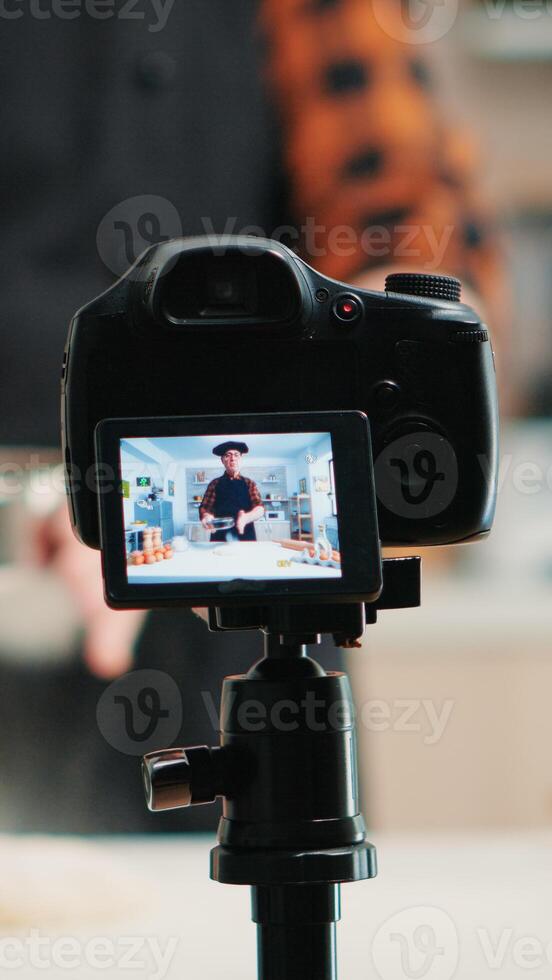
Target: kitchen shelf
column 300, row 518
column 507, row 36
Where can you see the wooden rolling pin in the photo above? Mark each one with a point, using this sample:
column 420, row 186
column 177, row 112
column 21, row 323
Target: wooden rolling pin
column 302, row 545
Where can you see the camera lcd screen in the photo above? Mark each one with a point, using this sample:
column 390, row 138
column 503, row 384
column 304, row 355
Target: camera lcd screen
column 237, row 510
column 255, row 506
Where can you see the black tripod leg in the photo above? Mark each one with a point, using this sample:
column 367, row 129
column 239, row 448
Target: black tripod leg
column 296, row 931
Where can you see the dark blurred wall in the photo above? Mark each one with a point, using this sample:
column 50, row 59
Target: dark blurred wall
column 97, row 112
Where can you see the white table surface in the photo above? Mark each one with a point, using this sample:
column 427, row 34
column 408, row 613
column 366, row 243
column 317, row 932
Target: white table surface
column 472, row 907
column 216, row 562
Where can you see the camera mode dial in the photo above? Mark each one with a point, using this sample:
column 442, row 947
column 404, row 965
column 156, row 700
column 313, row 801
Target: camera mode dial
column 419, row 284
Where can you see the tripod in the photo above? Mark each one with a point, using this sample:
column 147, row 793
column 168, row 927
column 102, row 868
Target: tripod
column 286, row 769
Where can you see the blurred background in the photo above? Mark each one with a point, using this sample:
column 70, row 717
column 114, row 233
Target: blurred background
column 453, row 699
column 480, row 646
column 114, row 146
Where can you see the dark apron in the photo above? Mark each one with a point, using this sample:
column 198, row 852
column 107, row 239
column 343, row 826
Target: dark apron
column 231, row 497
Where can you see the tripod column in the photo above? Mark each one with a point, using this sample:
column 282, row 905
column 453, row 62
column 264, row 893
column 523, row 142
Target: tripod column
column 296, row 931
column 291, row 826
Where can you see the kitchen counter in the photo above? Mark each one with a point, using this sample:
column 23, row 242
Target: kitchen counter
column 458, row 905
column 219, row 562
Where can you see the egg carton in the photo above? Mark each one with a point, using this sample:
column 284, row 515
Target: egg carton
column 316, row 558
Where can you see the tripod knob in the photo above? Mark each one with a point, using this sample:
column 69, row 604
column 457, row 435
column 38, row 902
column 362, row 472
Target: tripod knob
column 175, row 778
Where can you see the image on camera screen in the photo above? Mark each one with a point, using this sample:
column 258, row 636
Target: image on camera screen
column 219, row 508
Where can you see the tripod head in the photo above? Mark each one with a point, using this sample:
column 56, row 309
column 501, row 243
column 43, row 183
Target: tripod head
column 286, row 769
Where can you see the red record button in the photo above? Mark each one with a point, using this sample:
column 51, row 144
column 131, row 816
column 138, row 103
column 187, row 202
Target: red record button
column 347, row 308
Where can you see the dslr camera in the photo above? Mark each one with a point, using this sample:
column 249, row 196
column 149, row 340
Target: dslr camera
column 355, row 417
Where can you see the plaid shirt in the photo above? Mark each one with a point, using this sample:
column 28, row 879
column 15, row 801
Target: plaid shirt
column 208, row 502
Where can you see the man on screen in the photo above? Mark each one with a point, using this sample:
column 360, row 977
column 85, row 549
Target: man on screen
column 231, row 495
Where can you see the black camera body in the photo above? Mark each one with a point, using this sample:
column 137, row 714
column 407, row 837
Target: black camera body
column 240, row 325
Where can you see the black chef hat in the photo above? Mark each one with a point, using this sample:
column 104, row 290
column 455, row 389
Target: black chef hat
column 225, row 447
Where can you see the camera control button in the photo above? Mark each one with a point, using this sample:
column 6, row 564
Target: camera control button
column 420, row 284
column 386, row 394
column 347, row 308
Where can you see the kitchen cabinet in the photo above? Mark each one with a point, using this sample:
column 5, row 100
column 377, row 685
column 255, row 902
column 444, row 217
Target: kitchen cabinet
column 195, row 531
column 271, row 530
column 265, row 531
